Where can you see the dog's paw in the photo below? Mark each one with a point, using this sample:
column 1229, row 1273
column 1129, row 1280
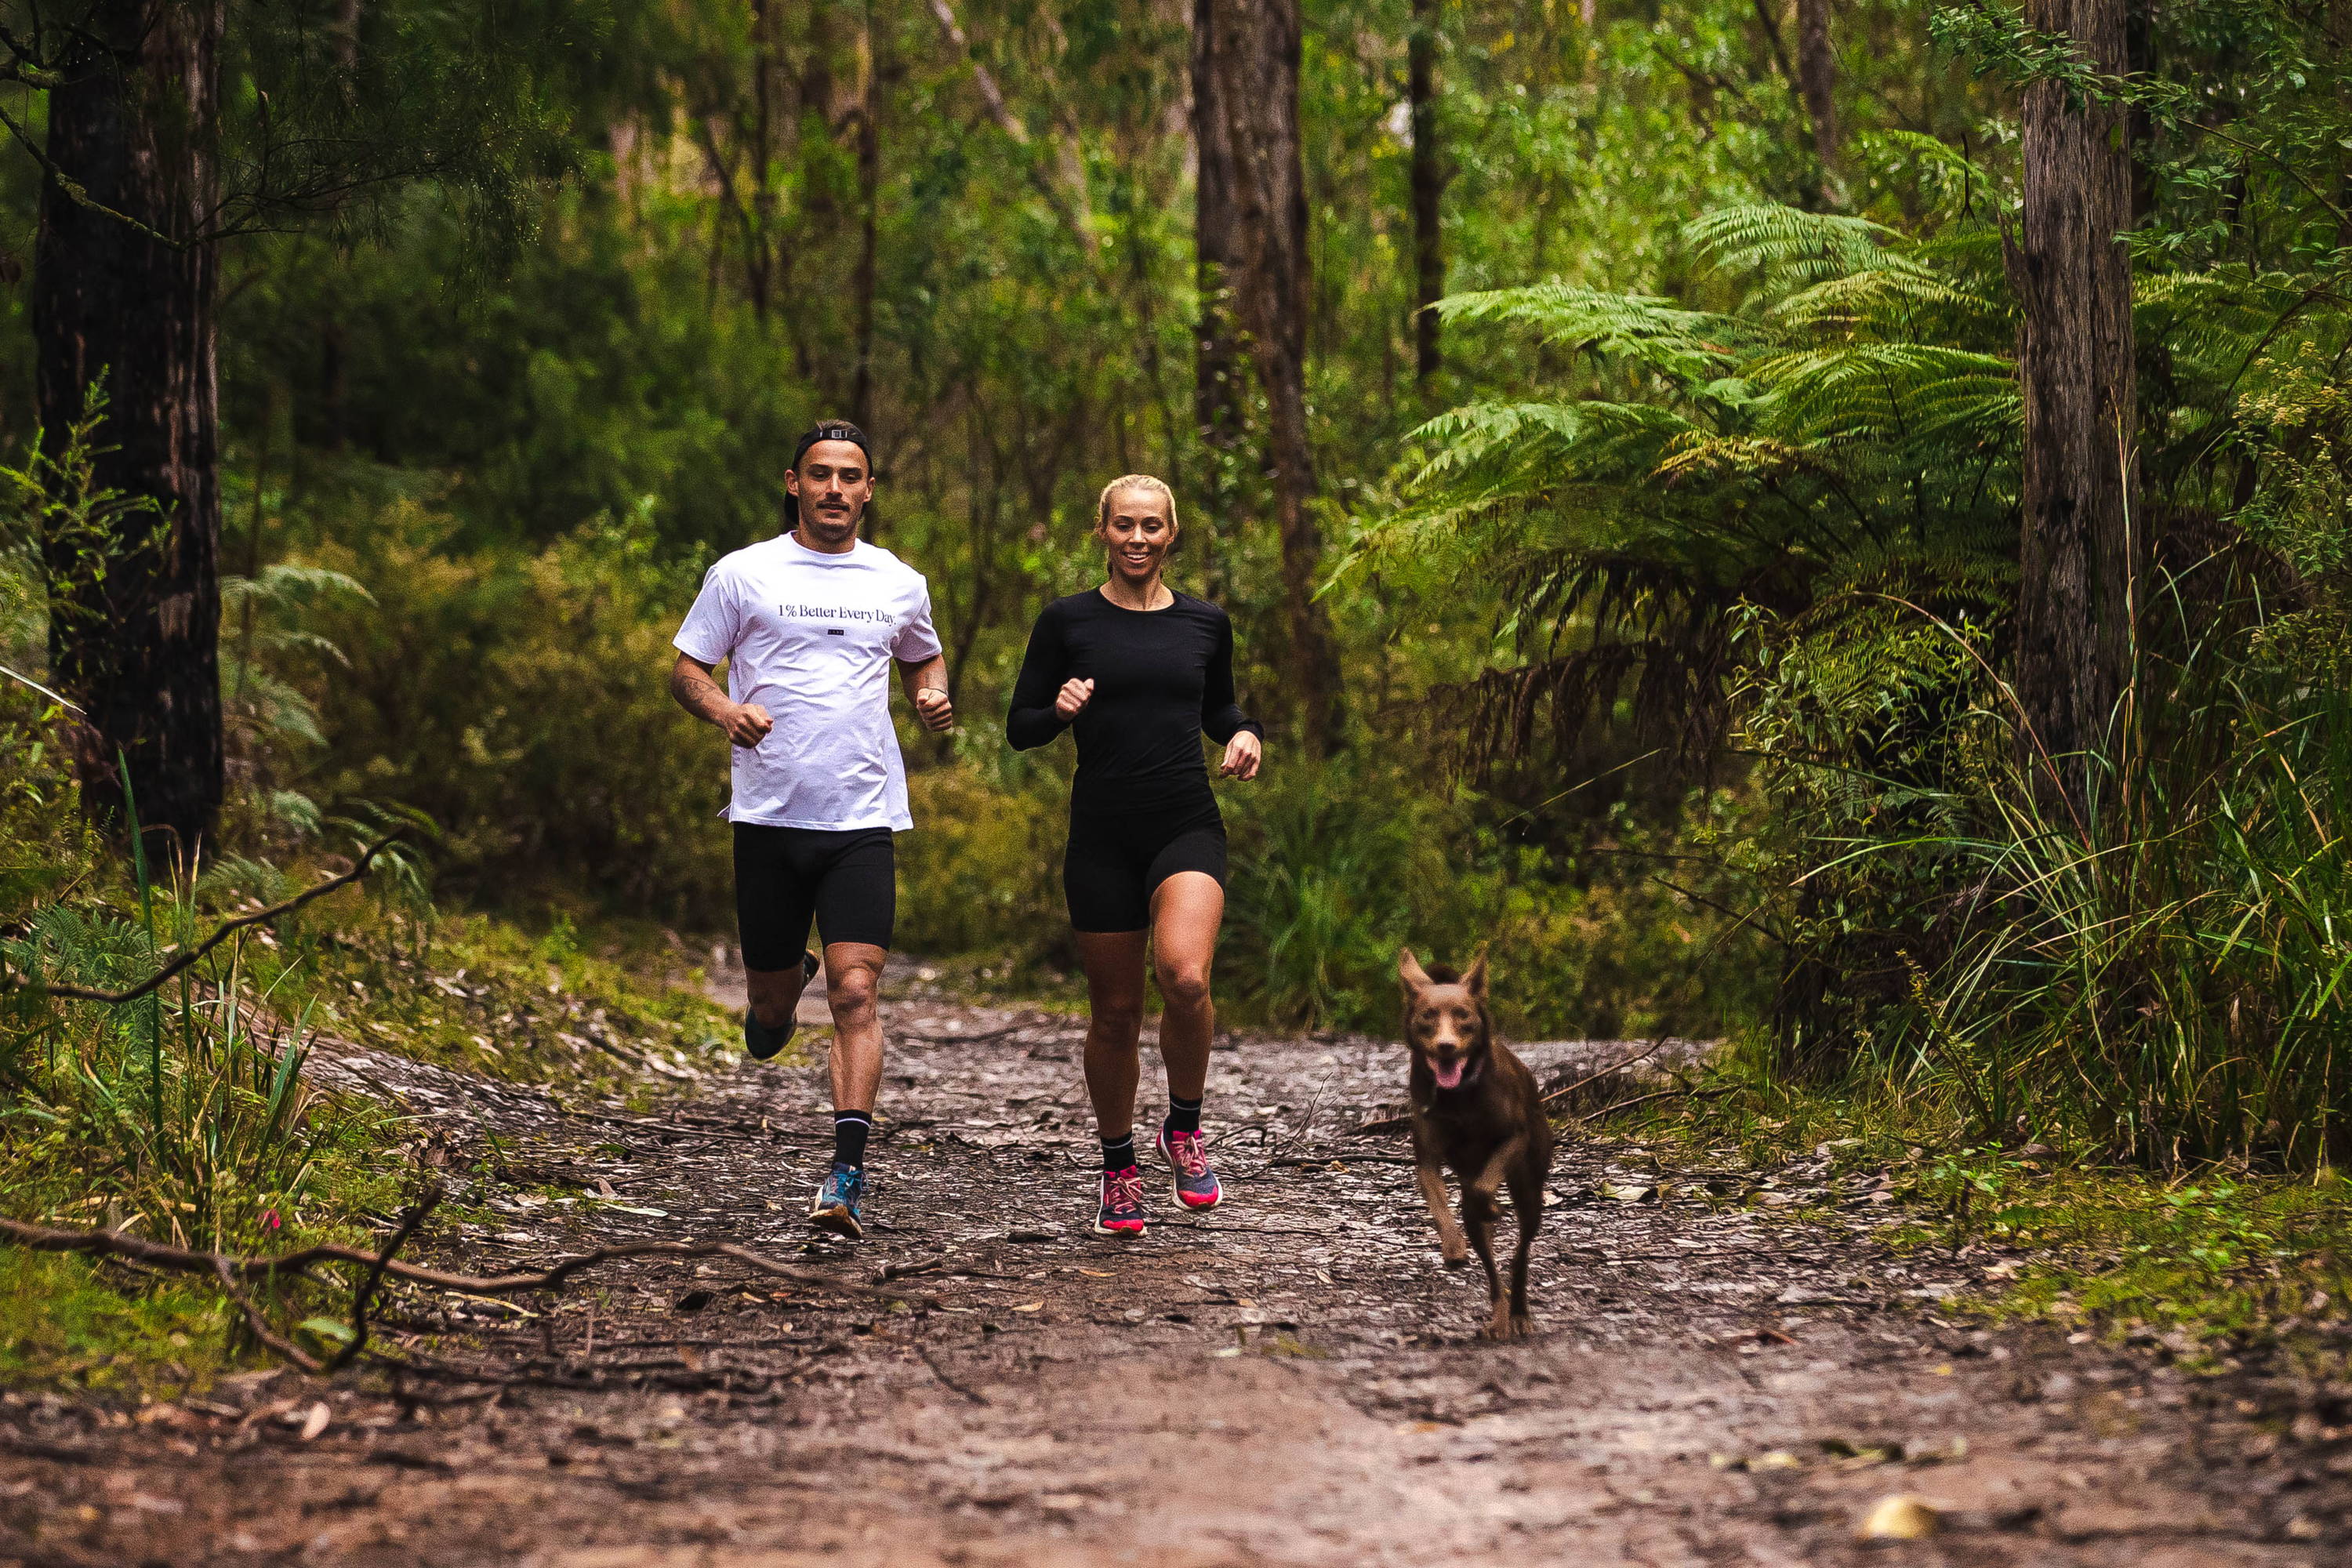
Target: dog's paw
column 1456, row 1259
column 1502, row 1327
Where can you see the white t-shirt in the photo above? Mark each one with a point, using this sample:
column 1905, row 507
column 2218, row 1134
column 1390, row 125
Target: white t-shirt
column 811, row 637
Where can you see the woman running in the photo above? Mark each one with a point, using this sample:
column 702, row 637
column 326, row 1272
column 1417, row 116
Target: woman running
column 1140, row 671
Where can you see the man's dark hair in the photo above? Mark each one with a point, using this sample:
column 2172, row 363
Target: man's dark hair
column 823, row 430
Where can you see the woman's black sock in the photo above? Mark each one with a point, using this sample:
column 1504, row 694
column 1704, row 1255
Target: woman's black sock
column 849, row 1131
column 1119, row 1152
column 1183, row 1115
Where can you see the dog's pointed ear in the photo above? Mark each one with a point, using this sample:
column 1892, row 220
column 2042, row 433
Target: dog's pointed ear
column 1409, row 971
column 1476, row 979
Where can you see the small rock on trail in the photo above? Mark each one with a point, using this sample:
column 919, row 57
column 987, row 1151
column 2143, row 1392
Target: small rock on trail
column 1291, row 1378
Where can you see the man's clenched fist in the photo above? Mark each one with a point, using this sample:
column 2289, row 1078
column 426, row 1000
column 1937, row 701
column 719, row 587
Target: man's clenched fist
column 934, row 708
column 749, row 724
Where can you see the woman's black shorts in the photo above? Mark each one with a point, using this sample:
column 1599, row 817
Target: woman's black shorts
column 1115, row 864
column 848, row 882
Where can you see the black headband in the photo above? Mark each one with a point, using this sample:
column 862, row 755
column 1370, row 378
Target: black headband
column 834, row 430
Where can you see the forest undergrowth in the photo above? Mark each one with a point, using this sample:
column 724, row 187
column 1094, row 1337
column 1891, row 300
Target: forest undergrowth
column 185, row 1115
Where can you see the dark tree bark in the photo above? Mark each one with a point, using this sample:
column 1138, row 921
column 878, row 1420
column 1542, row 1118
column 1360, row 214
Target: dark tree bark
column 1216, row 355
column 1816, row 84
column 869, row 201
column 134, row 618
column 1250, row 49
column 1428, row 190
column 2076, row 556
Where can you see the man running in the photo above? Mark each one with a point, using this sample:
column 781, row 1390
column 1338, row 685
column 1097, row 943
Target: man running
column 809, row 624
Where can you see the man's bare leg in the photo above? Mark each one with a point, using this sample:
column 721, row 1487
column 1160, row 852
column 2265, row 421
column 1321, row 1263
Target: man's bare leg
column 852, row 984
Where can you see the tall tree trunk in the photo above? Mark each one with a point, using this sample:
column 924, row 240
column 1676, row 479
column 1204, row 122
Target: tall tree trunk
column 1816, row 84
column 1217, row 410
column 1428, row 190
column 134, row 616
column 760, row 247
column 869, row 201
column 1253, row 62
column 2076, row 557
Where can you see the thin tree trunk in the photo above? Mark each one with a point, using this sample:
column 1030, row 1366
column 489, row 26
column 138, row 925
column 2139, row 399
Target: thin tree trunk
column 134, row 616
column 760, row 247
column 2076, row 556
column 869, row 199
column 1216, row 354
column 1428, row 191
column 1253, row 49
column 1816, row 84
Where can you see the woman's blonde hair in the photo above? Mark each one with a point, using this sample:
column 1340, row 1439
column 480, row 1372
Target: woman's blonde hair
column 1143, row 482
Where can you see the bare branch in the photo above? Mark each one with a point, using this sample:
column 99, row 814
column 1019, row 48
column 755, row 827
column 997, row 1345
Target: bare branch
column 259, row 917
column 156, row 1254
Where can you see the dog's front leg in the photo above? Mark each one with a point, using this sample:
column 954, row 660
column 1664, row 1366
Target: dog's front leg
column 1450, row 1244
column 1490, row 1180
column 1508, row 1321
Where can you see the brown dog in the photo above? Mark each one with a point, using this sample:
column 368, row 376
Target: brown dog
column 1477, row 1110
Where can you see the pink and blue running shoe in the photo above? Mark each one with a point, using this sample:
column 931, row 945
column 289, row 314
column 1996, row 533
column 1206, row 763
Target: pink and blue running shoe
column 1121, row 1212
column 1193, row 1185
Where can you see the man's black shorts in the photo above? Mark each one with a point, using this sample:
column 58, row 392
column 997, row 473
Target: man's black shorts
column 783, row 876
column 1114, row 864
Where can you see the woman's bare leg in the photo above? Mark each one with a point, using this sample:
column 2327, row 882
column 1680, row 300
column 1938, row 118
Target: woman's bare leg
column 1114, row 966
column 1185, row 913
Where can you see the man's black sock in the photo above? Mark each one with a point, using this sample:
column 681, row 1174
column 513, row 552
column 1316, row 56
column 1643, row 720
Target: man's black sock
column 849, row 1131
column 1119, row 1152
column 1183, row 1115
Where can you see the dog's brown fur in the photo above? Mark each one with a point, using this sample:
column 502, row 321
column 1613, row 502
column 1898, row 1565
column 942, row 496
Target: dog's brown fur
column 1489, row 1129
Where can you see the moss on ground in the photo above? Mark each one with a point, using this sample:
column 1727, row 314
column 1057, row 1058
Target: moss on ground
column 2202, row 1265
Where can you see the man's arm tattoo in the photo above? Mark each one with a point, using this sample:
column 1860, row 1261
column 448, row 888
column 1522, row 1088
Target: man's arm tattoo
column 697, row 693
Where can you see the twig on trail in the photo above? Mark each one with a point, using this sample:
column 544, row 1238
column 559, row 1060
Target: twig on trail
column 221, row 933
column 924, row 1355
column 1662, row 1094
column 727, row 1378
column 116, row 1244
column 678, row 1130
column 1284, row 1140
column 1235, row 1229
column 1344, row 1159
column 1645, row 1054
column 365, row 1290
column 260, row 1325
column 890, row 1271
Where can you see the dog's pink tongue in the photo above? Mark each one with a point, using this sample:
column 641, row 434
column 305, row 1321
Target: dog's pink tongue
column 1449, row 1073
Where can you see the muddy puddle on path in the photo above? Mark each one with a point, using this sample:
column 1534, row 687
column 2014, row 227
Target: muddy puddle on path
column 1291, row 1380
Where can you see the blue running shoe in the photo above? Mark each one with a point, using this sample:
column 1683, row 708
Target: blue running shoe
column 1194, row 1184
column 763, row 1041
column 835, row 1208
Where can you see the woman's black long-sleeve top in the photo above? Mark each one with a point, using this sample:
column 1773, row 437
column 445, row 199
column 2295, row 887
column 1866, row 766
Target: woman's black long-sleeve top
column 1162, row 678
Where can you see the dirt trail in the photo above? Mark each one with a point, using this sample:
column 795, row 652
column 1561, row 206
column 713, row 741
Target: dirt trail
column 1291, row 1381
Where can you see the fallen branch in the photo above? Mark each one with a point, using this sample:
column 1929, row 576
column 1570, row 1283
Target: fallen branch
column 116, row 1244
column 225, row 930
column 924, row 1355
column 979, row 1037
column 1662, row 1094
column 260, row 1325
column 679, row 1130
column 366, row 1290
column 1313, row 1159
column 1645, row 1054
